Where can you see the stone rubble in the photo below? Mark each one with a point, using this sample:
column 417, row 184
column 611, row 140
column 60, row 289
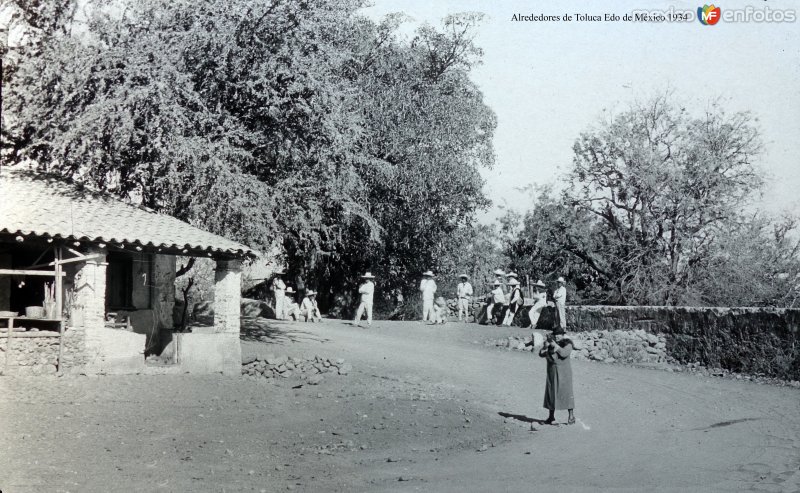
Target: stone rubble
column 312, row 370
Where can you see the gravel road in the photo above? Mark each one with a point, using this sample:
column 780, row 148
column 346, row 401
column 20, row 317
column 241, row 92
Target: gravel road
column 425, row 408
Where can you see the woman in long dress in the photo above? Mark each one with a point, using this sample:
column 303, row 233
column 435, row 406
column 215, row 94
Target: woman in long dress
column 558, row 390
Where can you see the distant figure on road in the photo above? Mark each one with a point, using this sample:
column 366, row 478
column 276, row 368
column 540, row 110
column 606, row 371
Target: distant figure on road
column 539, row 302
column 558, row 393
column 367, row 291
column 464, row 293
column 278, row 290
column 439, row 311
column 309, row 309
column 290, row 307
column 515, row 302
column 560, row 297
column 428, row 289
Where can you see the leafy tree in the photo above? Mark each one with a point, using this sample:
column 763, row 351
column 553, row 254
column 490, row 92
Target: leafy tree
column 426, row 133
column 755, row 263
column 654, row 199
column 297, row 125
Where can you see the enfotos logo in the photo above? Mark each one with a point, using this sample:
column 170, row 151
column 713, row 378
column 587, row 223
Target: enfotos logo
column 708, row 15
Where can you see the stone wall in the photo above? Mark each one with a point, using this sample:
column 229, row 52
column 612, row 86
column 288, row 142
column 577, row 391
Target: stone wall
column 32, row 353
column 73, row 356
column 744, row 340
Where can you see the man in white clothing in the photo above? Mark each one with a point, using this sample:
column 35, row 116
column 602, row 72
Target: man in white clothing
column 560, row 297
column 279, row 291
column 496, row 300
column 464, row 293
column 515, row 303
column 366, row 291
column 308, row 308
column 428, row 289
column 539, row 302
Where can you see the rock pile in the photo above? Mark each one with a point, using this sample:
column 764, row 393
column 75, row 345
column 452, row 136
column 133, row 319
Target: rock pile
column 636, row 346
column 512, row 342
column 312, row 370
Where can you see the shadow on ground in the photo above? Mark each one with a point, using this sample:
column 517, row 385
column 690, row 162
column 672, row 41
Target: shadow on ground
column 259, row 329
column 522, row 417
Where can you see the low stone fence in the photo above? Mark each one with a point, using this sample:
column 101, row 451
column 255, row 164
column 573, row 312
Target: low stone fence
column 623, row 346
column 757, row 341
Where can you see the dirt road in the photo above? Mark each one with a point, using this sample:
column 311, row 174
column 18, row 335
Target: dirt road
column 425, row 409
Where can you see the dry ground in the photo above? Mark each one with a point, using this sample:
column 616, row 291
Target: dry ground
column 425, row 409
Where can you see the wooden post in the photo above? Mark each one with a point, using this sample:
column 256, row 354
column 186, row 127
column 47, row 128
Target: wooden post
column 8, row 344
column 59, row 306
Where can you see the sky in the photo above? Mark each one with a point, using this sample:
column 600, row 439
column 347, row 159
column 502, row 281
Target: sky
column 549, row 81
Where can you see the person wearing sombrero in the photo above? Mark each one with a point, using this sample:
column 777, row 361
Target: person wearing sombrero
column 367, row 292
column 516, row 300
column 308, row 308
column 464, row 294
column 496, row 301
column 428, row 289
column 560, row 298
column 558, row 393
column 499, row 275
column 539, row 302
column 279, row 292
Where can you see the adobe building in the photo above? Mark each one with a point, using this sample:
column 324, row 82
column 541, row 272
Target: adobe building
column 87, row 284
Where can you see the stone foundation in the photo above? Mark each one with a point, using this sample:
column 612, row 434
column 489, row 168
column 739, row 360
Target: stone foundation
column 32, row 353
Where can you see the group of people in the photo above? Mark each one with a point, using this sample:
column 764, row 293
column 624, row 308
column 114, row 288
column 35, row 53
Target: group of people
column 286, row 306
column 556, row 350
column 501, row 307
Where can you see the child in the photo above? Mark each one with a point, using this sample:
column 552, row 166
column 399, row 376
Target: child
column 439, row 310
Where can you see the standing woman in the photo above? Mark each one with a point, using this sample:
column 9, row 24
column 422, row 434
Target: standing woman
column 558, row 390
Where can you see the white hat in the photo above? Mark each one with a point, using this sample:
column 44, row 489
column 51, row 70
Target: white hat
column 311, row 292
column 511, row 274
column 540, row 284
column 498, row 272
column 513, row 282
column 368, row 275
column 496, row 283
column 561, row 279
column 427, row 273
column 289, row 290
column 463, row 276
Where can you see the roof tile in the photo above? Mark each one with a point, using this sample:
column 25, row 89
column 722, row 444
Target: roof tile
column 42, row 205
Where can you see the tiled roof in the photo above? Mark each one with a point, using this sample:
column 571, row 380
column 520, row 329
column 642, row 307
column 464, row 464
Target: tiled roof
column 44, row 206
